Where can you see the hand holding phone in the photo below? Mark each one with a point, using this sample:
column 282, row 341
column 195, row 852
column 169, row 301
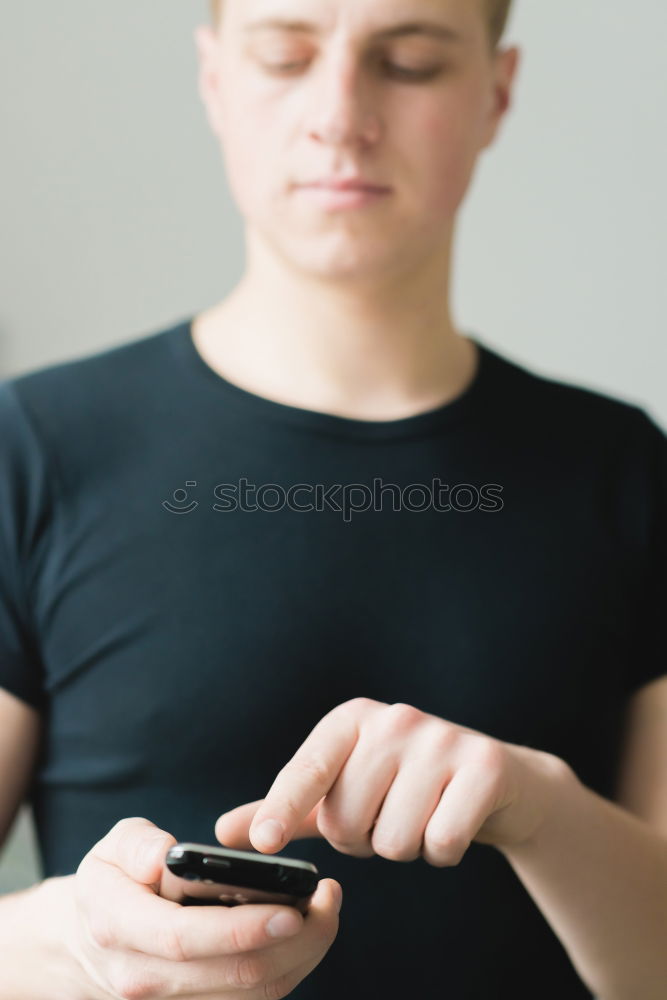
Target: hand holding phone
column 125, row 940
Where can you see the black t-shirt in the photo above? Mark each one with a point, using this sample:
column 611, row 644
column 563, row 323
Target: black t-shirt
column 509, row 576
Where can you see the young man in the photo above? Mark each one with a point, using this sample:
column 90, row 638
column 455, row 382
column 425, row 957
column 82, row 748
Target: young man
column 315, row 557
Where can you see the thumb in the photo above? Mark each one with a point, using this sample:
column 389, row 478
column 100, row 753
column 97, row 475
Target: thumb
column 151, row 856
column 138, row 847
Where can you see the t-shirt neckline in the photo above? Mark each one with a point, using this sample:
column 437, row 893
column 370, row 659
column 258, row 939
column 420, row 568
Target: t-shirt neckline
column 254, row 405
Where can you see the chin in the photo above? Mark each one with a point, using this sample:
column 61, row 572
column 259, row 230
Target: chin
column 349, row 258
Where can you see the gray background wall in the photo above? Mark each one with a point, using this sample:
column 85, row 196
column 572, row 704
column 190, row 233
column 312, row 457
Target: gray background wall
column 116, row 219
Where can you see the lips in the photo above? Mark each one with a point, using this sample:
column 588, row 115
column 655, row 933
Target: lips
column 346, row 184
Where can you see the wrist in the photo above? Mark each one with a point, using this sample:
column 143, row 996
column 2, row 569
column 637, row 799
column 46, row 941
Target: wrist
column 547, row 783
column 49, row 912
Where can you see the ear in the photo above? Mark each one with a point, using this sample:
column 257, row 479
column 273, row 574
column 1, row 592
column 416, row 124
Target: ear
column 209, row 58
column 504, row 70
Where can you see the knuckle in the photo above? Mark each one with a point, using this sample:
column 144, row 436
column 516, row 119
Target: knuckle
column 346, row 845
column 248, row 971
column 344, row 840
column 391, row 850
column 278, row 988
column 490, row 753
column 445, row 843
column 130, row 985
column 124, row 840
column 128, row 821
column 448, row 849
column 554, row 765
column 354, row 849
column 343, row 837
column 171, row 940
column 333, row 828
column 444, row 738
column 127, row 828
column 457, row 858
column 237, row 933
column 241, row 936
column 100, row 930
column 360, row 702
column 390, row 853
column 312, row 764
column 399, row 716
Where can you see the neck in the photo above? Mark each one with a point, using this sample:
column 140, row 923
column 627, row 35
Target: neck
column 377, row 348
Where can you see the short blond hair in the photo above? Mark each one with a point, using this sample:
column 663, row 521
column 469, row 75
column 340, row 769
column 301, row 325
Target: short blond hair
column 497, row 14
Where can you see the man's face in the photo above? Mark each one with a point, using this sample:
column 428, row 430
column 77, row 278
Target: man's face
column 410, row 111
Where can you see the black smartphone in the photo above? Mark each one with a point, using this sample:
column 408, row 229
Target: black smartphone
column 206, row 875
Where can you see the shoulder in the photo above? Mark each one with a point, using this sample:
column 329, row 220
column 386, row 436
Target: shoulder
column 85, row 396
column 105, row 374
column 556, row 409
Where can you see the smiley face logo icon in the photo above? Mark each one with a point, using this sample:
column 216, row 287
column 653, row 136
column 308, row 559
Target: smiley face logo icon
column 179, row 497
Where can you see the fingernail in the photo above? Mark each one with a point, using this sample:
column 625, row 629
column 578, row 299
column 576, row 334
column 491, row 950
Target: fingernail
column 270, row 832
column 338, row 896
column 283, row 925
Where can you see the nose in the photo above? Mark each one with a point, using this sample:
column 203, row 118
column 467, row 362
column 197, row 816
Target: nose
column 342, row 114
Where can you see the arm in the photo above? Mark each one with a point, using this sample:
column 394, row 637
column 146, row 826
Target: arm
column 32, row 959
column 35, row 962
column 20, row 731
column 599, row 875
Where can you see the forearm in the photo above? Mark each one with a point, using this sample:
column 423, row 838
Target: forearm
column 599, row 876
column 34, row 962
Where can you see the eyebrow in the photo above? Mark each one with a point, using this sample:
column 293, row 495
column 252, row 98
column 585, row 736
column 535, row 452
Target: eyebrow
column 426, row 28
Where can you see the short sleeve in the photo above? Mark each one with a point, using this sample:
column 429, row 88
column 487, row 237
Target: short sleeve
column 650, row 659
column 25, row 507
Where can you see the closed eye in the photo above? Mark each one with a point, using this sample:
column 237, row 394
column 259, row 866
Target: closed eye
column 408, row 73
column 401, row 72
